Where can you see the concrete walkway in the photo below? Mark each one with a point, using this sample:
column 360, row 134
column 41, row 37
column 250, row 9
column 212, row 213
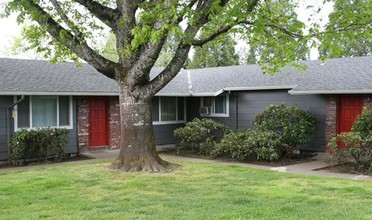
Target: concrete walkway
column 309, row 168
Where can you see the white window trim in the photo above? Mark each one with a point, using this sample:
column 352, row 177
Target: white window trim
column 30, row 114
column 212, row 114
column 172, row 122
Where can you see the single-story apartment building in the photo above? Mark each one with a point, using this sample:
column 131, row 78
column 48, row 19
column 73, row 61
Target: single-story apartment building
column 40, row 94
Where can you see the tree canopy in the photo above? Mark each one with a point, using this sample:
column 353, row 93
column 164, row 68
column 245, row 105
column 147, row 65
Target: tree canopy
column 213, row 54
column 349, row 31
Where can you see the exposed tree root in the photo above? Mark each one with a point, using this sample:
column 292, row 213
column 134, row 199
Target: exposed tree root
column 150, row 165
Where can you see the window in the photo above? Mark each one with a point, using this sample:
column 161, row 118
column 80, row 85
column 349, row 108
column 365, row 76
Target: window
column 218, row 106
column 44, row 111
column 168, row 109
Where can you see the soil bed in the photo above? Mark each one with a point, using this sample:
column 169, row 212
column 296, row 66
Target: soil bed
column 346, row 168
column 5, row 165
column 294, row 159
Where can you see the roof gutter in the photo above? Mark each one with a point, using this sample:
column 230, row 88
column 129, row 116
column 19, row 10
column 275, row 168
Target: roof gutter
column 333, row 92
column 77, row 93
column 8, row 121
column 259, row 88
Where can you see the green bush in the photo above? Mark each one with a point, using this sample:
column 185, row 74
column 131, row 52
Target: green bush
column 356, row 149
column 363, row 123
column 244, row 145
column 201, row 134
column 357, row 144
column 293, row 125
column 39, row 144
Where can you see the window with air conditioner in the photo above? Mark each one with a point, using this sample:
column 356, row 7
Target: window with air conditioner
column 215, row 106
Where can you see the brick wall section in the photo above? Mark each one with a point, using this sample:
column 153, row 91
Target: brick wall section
column 114, row 122
column 368, row 102
column 331, row 118
column 83, row 123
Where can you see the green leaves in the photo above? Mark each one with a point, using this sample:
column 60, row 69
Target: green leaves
column 349, row 31
column 39, row 144
column 293, row 125
column 245, row 145
column 220, row 52
column 199, row 132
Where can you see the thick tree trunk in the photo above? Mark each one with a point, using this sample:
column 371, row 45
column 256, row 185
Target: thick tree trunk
column 137, row 144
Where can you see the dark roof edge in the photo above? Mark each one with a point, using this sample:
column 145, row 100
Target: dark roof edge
column 60, row 93
column 319, row 92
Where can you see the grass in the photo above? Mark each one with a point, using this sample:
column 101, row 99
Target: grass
column 196, row 191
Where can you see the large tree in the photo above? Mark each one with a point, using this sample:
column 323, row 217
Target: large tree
column 213, row 54
column 141, row 28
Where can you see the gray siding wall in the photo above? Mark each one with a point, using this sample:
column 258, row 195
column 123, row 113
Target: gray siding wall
column 5, row 102
column 254, row 102
column 73, row 137
column 251, row 103
column 164, row 133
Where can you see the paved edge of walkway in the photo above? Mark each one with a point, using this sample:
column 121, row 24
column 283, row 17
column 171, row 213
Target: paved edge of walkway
column 307, row 168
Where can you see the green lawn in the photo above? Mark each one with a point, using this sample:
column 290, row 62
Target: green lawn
column 195, row 191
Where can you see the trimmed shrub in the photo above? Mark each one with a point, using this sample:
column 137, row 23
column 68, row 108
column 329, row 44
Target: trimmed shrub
column 201, row 134
column 244, row 145
column 357, row 144
column 356, row 149
column 39, row 144
column 293, row 125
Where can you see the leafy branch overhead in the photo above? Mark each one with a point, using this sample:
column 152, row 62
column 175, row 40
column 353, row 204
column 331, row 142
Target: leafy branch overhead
column 141, row 27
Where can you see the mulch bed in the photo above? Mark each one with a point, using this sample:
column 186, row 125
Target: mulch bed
column 346, row 168
column 66, row 159
column 294, row 159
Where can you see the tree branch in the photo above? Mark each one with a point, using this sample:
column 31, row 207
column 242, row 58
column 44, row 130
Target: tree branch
column 203, row 41
column 70, row 41
column 181, row 53
column 225, row 29
column 169, row 72
column 68, row 22
column 107, row 15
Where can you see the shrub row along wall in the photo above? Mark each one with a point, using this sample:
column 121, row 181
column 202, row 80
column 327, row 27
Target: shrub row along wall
column 251, row 103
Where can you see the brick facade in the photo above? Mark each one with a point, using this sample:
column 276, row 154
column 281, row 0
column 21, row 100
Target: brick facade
column 83, row 123
column 114, row 122
column 331, row 118
column 113, row 110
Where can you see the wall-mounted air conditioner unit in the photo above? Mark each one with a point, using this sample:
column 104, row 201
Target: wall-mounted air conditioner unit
column 204, row 110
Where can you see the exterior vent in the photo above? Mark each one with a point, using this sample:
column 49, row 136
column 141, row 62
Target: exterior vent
column 205, row 110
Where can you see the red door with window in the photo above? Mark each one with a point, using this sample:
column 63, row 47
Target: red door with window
column 349, row 107
column 97, row 122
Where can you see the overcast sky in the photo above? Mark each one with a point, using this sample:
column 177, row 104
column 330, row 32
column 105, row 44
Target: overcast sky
column 9, row 29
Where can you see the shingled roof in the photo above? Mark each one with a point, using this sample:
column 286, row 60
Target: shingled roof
column 335, row 76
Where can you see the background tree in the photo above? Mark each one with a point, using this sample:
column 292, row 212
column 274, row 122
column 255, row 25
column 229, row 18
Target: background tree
column 350, row 48
column 141, row 29
column 349, row 31
column 264, row 53
column 218, row 53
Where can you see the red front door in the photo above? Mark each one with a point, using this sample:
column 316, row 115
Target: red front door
column 349, row 107
column 97, row 122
